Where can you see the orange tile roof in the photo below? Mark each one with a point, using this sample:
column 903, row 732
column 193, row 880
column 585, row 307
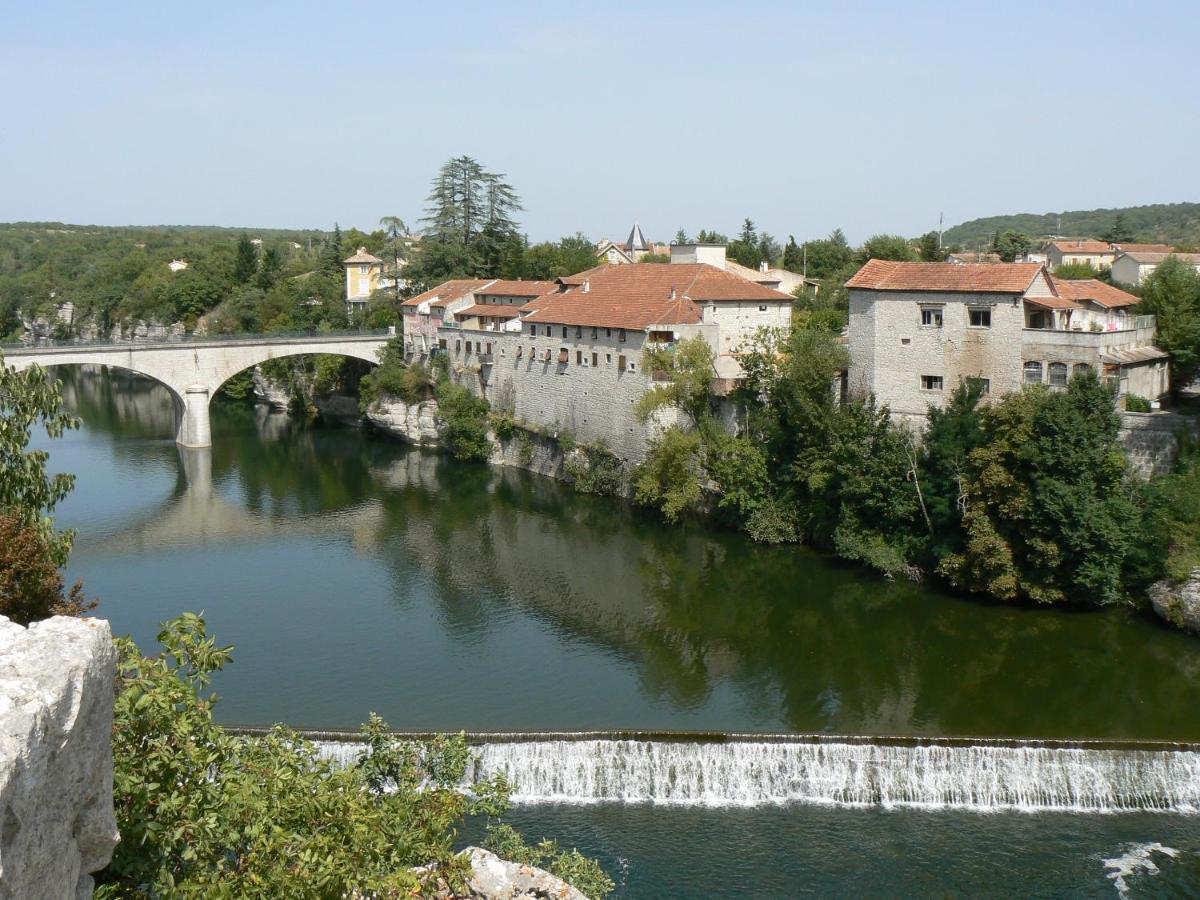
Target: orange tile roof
column 1094, row 290
column 448, row 291
column 1081, row 246
column 1143, row 248
column 637, row 296
column 986, row 278
column 520, row 288
column 362, row 256
column 491, row 311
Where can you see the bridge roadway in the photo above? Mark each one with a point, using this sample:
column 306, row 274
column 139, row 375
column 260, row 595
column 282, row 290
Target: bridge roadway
column 194, row 369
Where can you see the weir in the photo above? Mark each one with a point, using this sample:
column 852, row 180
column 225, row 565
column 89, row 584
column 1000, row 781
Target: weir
column 762, row 770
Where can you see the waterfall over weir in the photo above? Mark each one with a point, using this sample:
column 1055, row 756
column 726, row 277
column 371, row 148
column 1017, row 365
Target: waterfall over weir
column 743, row 771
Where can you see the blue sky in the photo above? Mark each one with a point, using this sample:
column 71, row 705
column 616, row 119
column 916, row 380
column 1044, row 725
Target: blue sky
column 805, row 116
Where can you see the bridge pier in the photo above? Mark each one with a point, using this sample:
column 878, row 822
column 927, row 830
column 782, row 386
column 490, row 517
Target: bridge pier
column 193, row 427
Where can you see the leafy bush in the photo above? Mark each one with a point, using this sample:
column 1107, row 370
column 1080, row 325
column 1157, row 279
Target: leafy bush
column 595, row 470
column 466, row 418
column 570, row 865
column 31, row 586
column 1136, row 404
column 524, row 447
column 503, row 425
column 206, row 813
column 671, row 477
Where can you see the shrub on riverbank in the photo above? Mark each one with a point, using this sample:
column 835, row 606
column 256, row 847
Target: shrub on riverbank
column 203, row 812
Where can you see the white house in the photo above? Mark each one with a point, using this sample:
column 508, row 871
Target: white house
column 1132, row 267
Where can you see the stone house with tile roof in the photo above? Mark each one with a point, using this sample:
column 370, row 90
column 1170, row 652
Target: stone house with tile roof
column 1132, row 267
column 919, row 329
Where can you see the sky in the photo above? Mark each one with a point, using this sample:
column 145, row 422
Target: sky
column 872, row 117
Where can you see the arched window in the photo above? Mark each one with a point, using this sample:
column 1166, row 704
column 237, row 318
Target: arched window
column 1080, row 369
column 1058, row 374
column 1033, row 373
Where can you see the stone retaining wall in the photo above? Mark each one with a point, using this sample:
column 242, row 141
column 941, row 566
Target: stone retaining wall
column 1151, row 440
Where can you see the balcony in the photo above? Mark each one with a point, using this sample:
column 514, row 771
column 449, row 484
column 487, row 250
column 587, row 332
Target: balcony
column 1140, row 332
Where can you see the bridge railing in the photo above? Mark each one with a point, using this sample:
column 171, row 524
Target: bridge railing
column 274, row 337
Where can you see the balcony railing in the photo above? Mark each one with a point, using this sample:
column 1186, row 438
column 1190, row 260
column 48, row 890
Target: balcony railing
column 1140, row 332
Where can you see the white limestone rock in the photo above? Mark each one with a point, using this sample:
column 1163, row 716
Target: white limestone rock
column 1179, row 602
column 493, row 878
column 56, row 769
column 416, row 423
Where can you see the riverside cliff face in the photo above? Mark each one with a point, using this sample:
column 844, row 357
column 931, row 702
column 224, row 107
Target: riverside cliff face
column 56, row 768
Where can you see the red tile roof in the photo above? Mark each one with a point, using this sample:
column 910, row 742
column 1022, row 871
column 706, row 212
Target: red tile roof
column 1143, row 248
column 520, row 288
column 1098, row 292
column 1081, row 246
column 448, row 291
column 644, row 294
column 986, row 278
column 362, row 256
column 491, row 310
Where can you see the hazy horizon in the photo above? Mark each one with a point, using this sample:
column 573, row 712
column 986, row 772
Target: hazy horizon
column 859, row 115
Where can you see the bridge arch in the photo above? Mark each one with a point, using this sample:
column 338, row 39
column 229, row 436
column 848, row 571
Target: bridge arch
column 194, row 371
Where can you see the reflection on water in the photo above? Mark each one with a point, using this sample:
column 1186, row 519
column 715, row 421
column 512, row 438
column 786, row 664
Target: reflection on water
column 354, row 575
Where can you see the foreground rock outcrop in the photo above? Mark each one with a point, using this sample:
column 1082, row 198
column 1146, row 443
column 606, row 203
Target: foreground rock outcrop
column 493, row 878
column 414, row 423
column 1179, row 602
column 56, row 770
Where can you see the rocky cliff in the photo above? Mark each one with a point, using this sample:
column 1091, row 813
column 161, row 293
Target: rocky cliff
column 1179, row 602
column 56, row 769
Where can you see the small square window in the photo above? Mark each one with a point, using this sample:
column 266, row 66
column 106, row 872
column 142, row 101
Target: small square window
column 533, row 331
column 762, row 309
column 931, row 382
column 980, row 318
column 608, row 357
column 931, row 317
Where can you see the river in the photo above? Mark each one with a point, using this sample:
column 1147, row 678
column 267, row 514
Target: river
column 354, row 575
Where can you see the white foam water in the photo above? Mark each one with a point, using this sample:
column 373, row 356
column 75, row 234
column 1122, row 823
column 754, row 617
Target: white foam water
column 1137, row 859
column 986, row 777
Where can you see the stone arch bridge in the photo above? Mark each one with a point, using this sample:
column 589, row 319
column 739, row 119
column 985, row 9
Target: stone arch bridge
column 194, row 370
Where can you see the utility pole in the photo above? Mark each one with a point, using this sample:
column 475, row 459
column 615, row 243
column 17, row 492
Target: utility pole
column 805, row 273
column 940, row 230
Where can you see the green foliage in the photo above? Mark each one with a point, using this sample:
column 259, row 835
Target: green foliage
column 828, row 258
column 887, row 246
column 594, row 469
column 1010, row 245
column 27, row 491
column 1076, row 271
column 239, row 388
column 570, row 865
column 1048, row 514
column 1172, row 293
column 245, row 262
column 670, row 479
column 524, row 447
column 466, row 418
column 793, row 256
column 691, row 365
column 206, row 813
column 1172, row 223
column 1170, row 545
column 393, row 377
column 953, row 431
column 1136, row 404
column 31, row 586
column 930, row 248
column 1119, row 232
column 656, row 258
column 503, row 425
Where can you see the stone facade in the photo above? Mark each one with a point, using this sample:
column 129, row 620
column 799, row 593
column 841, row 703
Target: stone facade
column 56, row 769
column 1151, row 440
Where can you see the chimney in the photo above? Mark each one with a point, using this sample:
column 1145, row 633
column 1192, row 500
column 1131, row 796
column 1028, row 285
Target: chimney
column 762, row 266
column 587, row 285
column 672, row 293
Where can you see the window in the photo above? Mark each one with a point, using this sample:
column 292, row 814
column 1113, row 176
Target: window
column 564, row 331
column 632, row 367
column 442, row 343
column 595, row 360
column 621, row 363
column 564, row 355
column 1058, row 374
column 468, row 346
column 458, row 346
column 595, row 333
column 762, row 309
column 1033, row 373
column 533, row 331
column 579, row 357
column 578, row 332
column 621, row 335
column 931, row 382
column 980, row 318
column 932, row 317
column 1080, row 369
column 362, row 270
column 608, row 332
column 608, row 357
column 983, row 385
column 489, row 348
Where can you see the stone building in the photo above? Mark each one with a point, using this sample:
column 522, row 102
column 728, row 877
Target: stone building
column 633, row 250
column 919, row 329
column 570, row 359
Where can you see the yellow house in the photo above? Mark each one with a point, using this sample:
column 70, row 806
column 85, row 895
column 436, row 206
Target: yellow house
column 362, row 276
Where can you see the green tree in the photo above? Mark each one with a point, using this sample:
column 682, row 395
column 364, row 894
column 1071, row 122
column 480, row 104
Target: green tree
column 793, row 256
column 887, row 246
column 27, row 491
column 930, row 248
column 952, row 433
column 1076, row 271
column 690, row 366
column 268, row 268
column 828, row 258
column 1011, row 244
column 1119, row 232
column 1048, row 515
column 245, row 263
column 670, row 478
column 332, row 260
column 681, row 237
column 1172, row 294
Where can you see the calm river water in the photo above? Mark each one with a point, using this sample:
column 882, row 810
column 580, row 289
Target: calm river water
column 354, row 575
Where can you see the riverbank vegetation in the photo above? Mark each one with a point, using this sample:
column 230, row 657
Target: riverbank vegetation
column 204, row 811
column 1028, row 498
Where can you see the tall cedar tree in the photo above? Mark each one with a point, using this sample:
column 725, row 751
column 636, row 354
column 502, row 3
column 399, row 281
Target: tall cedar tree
column 245, row 264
